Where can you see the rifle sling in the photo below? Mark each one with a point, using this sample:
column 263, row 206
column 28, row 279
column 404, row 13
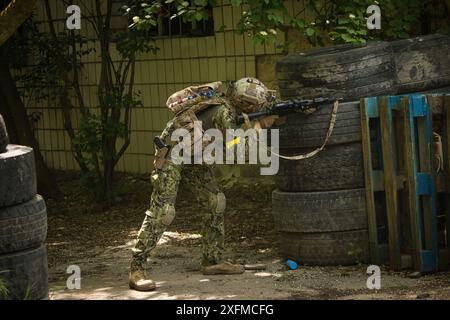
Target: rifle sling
column 316, row 151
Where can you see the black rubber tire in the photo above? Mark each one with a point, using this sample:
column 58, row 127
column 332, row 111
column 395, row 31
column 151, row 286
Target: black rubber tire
column 319, row 211
column 17, row 175
column 23, row 226
column 4, row 140
column 443, row 90
column 347, row 71
column 25, row 274
column 309, row 131
column 331, row 248
column 422, row 63
column 337, row 167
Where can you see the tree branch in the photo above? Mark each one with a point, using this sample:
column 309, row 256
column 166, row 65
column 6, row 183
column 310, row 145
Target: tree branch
column 127, row 116
column 64, row 94
column 75, row 82
column 13, row 16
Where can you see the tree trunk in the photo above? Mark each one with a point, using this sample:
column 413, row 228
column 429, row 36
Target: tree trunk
column 18, row 123
column 108, row 180
column 13, row 16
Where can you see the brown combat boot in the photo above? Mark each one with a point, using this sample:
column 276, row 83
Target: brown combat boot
column 223, row 268
column 138, row 279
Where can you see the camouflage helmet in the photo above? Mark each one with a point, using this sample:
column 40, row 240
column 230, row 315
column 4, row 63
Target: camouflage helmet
column 249, row 95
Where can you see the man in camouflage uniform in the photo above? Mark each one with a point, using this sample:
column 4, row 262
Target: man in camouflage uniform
column 246, row 95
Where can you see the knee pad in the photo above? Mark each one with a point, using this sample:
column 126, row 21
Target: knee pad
column 167, row 214
column 217, row 202
column 164, row 214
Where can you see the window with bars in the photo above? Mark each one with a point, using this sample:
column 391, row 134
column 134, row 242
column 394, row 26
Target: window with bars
column 167, row 27
column 176, row 26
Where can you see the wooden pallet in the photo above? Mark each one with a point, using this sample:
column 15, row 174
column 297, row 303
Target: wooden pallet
column 400, row 129
column 440, row 107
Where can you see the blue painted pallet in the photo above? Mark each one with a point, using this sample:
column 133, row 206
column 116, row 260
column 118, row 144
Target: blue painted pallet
column 404, row 178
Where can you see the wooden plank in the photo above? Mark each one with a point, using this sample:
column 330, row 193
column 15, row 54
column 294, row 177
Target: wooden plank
column 218, row 18
column 187, row 75
column 444, row 260
column 239, row 45
column 220, row 44
column 410, row 171
column 436, row 103
column 425, row 127
column 250, row 67
column 170, row 74
column 390, row 182
column 221, row 69
column 446, row 148
column 167, row 49
column 229, row 43
column 377, row 180
column 368, row 178
column 231, row 68
column 160, row 68
column 202, row 46
column 195, row 70
column 210, row 47
column 184, row 47
column 228, row 17
column 213, row 70
column 203, row 67
column 240, row 67
column 176, row 48
column 193, row 48
column 249, row 46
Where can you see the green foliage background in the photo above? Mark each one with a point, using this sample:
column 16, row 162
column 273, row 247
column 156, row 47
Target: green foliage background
column 337, row 21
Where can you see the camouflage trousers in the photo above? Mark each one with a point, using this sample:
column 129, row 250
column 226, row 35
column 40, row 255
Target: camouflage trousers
column 161, row 213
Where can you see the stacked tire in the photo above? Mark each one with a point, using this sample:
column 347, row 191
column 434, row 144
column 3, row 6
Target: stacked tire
column 319, row 204
column 23, row 224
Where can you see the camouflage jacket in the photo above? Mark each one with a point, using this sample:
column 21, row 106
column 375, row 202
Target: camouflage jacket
column 218, row 114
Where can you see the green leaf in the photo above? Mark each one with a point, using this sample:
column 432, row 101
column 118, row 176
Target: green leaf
column 198, row 16
column 310, row 31
column 347, row 38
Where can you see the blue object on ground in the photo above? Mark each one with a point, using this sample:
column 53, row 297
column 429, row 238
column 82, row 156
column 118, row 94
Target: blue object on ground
column 291, row 264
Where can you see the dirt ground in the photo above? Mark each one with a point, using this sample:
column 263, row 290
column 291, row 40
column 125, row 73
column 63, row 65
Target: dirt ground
column 99, row 242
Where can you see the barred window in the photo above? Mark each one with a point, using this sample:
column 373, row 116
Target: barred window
column 176, row 26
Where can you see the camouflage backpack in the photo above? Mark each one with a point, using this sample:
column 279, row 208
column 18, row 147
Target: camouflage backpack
column 193, row 98
column 190, row 101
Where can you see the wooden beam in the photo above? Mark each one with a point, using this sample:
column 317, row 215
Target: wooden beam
column 411, row 184
column 424, row 146
column 390, row 182
column 368, row 170
column 13, row 16
column 446, row 149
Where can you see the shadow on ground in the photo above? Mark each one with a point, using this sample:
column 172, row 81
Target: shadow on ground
column 100, row 243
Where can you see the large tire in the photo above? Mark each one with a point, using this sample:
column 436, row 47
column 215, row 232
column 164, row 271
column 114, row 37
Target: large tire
column 25, row 274
column 443, row 90
column 309, row 131
column 347, row 71
column 422, row 63
column 319, row 211
column 332, row 248
column 17, row 175
column 3, row 135
column 337, row 167
column 23, row 226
